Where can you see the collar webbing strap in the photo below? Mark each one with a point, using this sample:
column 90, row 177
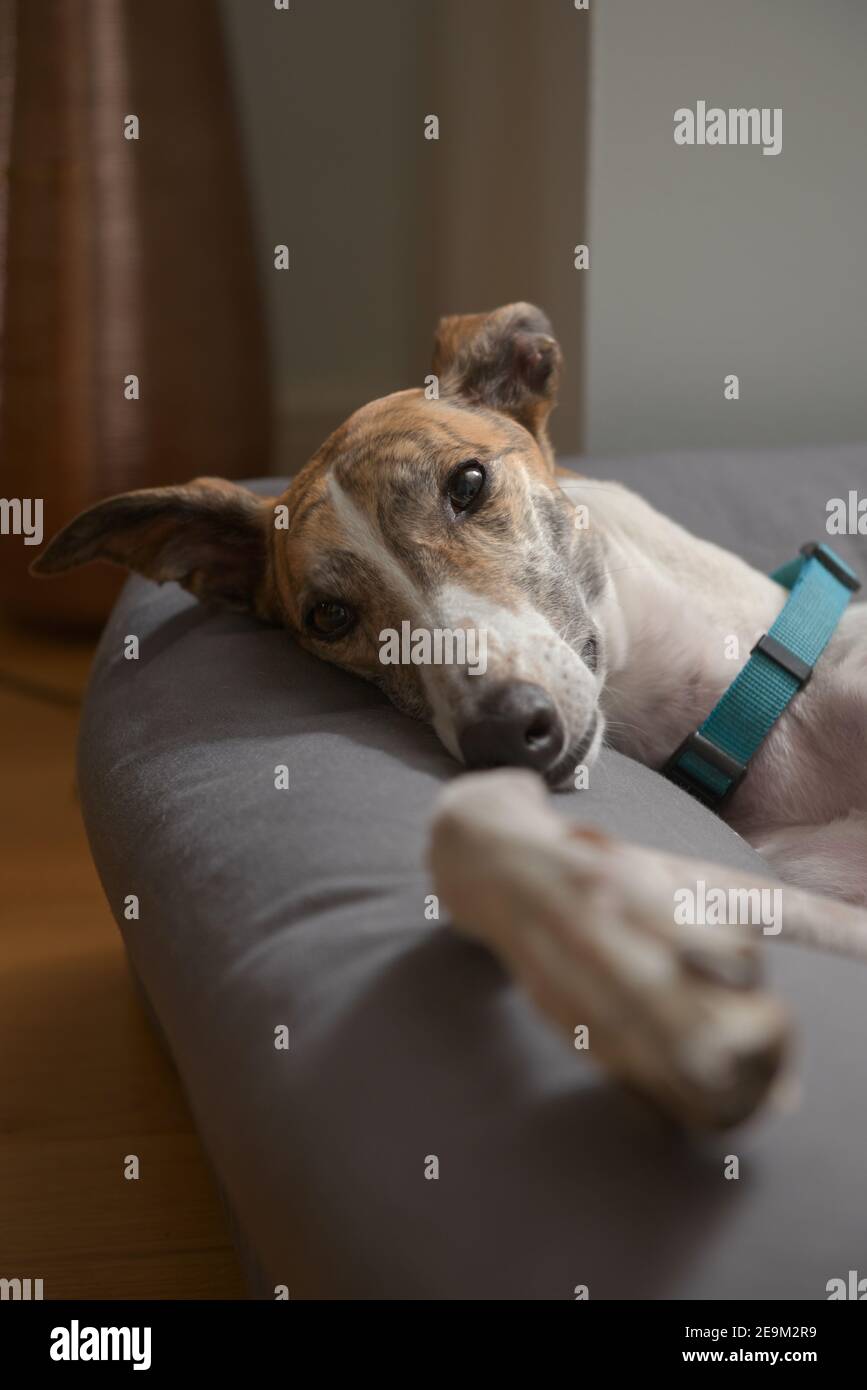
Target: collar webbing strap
column 711, row 762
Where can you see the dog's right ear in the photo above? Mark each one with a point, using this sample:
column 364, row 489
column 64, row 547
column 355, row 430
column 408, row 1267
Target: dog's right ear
column 507, row 360
column 210, row 536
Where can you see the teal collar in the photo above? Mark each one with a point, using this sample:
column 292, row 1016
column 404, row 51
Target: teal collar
column 712, row 762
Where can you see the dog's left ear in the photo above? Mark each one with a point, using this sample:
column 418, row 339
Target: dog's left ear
column 210, row 536
column 507, row 360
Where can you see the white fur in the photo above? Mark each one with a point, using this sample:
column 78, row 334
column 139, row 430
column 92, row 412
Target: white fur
column 521, row 645
column 672, row 602
column 362, row 535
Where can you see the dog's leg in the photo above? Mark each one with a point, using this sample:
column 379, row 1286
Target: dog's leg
column 828, row 858
column 588, row 924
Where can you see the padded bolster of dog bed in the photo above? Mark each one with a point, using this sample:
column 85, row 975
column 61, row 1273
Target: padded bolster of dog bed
column 305, row 908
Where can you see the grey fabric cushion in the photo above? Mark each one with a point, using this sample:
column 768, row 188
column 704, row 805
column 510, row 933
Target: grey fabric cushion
column 762, row 504
column 305, row 908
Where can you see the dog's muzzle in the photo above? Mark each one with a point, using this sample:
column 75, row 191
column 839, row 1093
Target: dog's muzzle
column 514, row 725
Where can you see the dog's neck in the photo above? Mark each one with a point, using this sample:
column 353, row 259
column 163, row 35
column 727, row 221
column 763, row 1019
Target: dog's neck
column 679, row 618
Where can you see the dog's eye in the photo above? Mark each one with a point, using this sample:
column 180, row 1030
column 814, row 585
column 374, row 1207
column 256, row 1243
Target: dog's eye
column 330, row 619
column 465, row 484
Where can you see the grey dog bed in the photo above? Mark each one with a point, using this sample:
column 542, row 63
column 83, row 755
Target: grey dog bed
column 306, row 908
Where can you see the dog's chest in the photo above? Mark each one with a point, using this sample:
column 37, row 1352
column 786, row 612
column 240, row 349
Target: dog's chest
column 811, row 769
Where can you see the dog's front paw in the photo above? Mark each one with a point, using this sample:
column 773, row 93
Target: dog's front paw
column 588, row 925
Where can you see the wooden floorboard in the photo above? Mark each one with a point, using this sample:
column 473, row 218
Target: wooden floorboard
column 83, row 1081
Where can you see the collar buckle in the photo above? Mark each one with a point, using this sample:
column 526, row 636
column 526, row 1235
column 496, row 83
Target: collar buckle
column 701, row 747
column 777, row 651
column 816, row 550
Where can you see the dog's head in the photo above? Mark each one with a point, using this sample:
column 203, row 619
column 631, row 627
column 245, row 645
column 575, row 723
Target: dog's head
column 426, row 546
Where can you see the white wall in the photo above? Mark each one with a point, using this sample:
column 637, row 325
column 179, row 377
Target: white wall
column 717, row 260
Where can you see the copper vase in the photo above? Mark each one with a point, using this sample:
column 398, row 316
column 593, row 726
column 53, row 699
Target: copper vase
column 119, row 258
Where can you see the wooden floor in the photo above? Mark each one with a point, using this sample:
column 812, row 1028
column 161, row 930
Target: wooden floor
column 83, row 1082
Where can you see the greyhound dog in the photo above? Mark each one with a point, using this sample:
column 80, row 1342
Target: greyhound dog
column 603, row 620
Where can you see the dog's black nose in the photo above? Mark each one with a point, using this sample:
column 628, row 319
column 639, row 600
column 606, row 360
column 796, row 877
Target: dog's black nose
column 514, row 725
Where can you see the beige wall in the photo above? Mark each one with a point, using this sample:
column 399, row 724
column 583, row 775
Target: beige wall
column 387, row 230
column 717, row 260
